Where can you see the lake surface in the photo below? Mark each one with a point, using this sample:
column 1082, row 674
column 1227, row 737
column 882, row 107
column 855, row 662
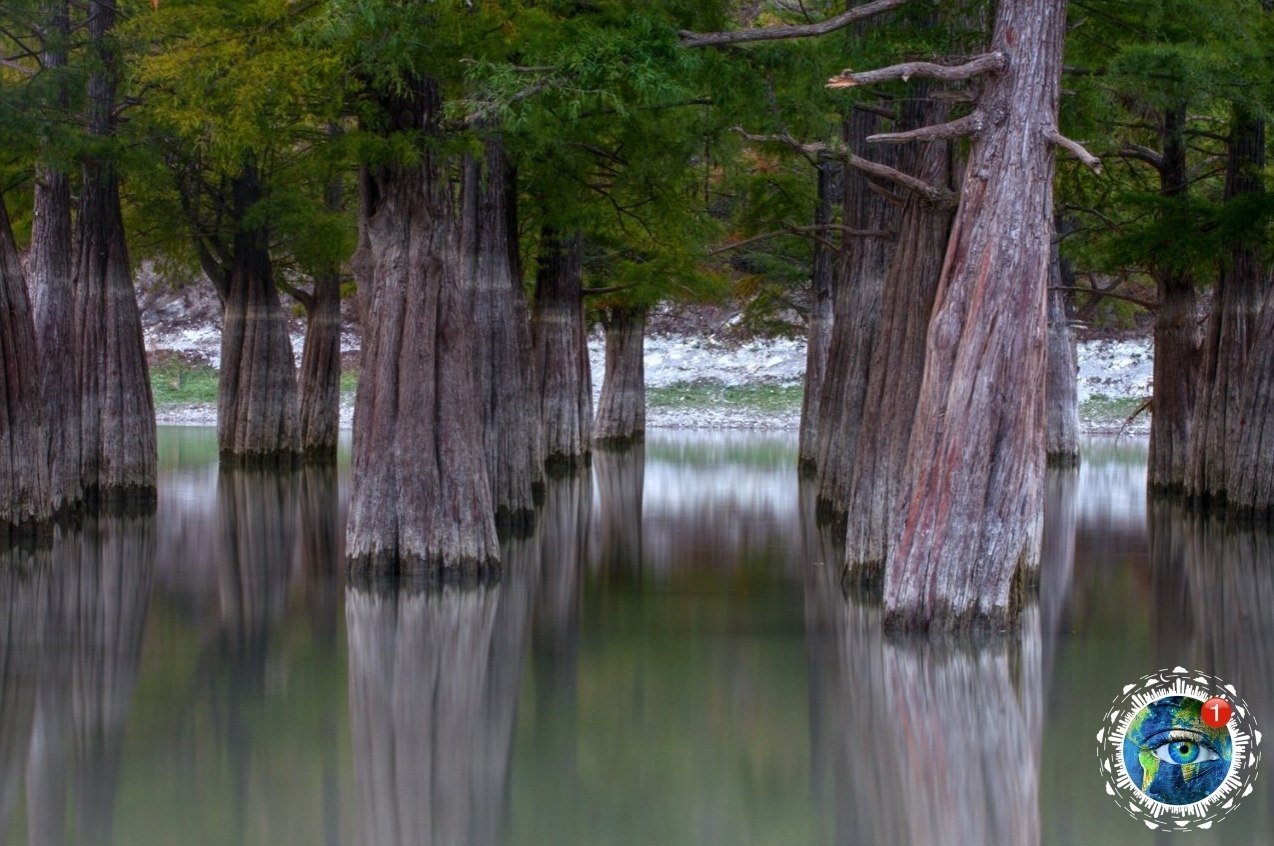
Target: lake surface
column 668, row 660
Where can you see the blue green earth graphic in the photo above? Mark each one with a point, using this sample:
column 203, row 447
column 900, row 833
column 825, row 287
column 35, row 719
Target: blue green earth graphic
column 1172, row 755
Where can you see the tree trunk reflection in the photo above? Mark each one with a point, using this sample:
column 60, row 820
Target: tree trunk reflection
column 922, row 741
column 433, row 680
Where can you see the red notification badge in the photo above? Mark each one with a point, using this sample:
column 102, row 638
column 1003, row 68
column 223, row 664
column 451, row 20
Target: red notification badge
column 1216, row 712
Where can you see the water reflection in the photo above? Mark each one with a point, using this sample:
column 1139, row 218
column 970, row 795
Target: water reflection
column 621, row 476
column 433, row 680
column 22, row 574
column 920, row 741
column 81, row 612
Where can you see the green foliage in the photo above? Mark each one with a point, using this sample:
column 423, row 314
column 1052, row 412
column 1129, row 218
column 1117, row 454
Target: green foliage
column 760, row 398
column 175, row 382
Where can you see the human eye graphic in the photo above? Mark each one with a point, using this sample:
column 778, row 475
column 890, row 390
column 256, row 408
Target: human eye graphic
column 1184, row 747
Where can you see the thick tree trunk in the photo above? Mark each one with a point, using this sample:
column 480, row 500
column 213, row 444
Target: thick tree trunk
column 24, row 474
column 864, row 262
column 1250, row 483
column 1243, row 285
column 896, row 367
column 970, row 524
column 53, row 297
column 256, row 399
column 1176, row 361
column 1175, row 383
column 117, row 413
column 564, row 380
column 421, row 504
column 822, row 275
column 621, row 408
column 320, row 376
column 502, row 350
column 1061, row 393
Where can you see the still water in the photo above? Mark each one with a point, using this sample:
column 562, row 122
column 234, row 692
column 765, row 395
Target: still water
column 668, row 660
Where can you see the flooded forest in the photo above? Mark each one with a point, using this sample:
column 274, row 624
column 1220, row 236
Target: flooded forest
column 681, row 421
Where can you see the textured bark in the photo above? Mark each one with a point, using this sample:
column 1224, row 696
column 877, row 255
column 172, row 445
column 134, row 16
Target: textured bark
column 1061, row 392
column 621, row 408
column 257, row 414
column 975, row 472
column 319, row 381
column 1250, row 482
column 822, row 275
column 1176, row 339
column 117, row 413
column 24, row 475
column 53, row 296
column 502, row 349
column 896, row 367
column 1242, row 288
column 421, row 505
column 564, row 380
column 864, row 262
column 434, row 681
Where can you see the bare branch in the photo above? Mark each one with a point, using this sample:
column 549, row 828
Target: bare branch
column 970, row 124
column 777, row 33
column 986, row 63
column 804, row 232
column 1075, row 148
column 1141, row 154
column 933, row 193
column 302, row 296
column 1102, row 293
column 17, row 66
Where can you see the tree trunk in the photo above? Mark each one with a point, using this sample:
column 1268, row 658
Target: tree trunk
column 564, row 380
column 822, row 274
column 420, row 505
column 117, row 413
column 24, row 474
column 896, row 366
column 864, row 262
column 1061, row 393
column 256, row 399
column 1242, row 287
column 970, row 525
column 320, row 376
column 621, row 408
column 53, row 296
column 502, row 350
column 1176, row 362
column 1250, row 484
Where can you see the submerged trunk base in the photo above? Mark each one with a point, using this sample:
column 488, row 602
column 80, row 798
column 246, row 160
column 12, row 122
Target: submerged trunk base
column 390, row 573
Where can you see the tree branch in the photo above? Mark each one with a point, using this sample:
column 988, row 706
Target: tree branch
column 986, row 63
column 302, row 296
column 970, row 124
column 933, row 193
column 17, row 66
column 1099, row 294
column 1075, row 148
column 804, row 232
column 1141, row 154
column 776, row 33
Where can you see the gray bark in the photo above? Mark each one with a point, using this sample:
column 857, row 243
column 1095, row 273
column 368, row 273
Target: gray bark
column 564, row 380
column 1242, row 289
column 502, row 350
column 1176, row 363
column 854, row 323
column 24, row 475
column 53, row 296
column 970, row 526
column 819, row 338
column 421, row 503
column 257, row 412
column 319, row 381
column 20, row 575
column 117, row 412
column 1061, row 393
column 621, row 407
column 896, row 366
